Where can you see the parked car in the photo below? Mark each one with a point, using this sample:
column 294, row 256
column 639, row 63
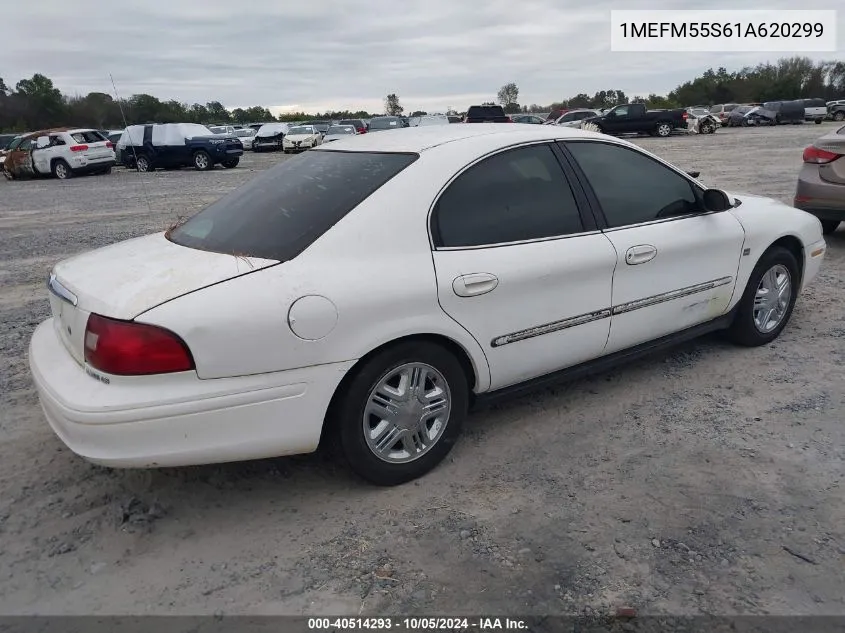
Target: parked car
column 302, row 137
column 359, row 124
column 337, row 132
column 573, row 118
column 700, row 121
column 246, row 135
column 634, row 118
column 222, row 129
column 176, row 145
column 815, row 110
column 142, row 367
column 382, row 123
column 321, row 126
column 454, row 118
column 528, row 118
column 554, row 115
column 486, row 114
column 836, row 110
column 778, row 113
column 737, row 117
column 723, row 110
column 62, row 153
column 429, row 119
column 821, row 182
column 269, row 137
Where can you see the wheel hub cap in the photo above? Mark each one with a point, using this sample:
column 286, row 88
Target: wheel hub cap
column 772, row 298
column 406, row 412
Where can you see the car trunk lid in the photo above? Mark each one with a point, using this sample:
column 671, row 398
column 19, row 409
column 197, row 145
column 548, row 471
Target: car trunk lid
column 124, row 280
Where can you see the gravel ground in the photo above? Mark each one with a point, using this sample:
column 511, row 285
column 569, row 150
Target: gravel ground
column 705, row 480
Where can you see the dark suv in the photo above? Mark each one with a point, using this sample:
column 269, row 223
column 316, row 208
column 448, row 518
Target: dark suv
column 486, row 114
column 175, row 145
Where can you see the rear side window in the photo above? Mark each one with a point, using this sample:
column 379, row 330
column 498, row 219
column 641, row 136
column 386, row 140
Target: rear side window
column 815, row 103
column 281, row 213
column 89, row 136
column 731, row 106
column 520, row 194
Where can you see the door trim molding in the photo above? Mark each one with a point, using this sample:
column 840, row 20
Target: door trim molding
column 605, row 313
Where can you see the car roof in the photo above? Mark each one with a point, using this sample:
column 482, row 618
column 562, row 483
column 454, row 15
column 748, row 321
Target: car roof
column 419, row 139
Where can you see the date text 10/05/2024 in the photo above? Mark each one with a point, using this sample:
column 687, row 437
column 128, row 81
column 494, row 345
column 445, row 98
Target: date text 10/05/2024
column 418, row 624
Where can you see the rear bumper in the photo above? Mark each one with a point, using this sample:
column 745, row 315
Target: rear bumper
column 825, row 200
column 179, row 419
column 94, row 166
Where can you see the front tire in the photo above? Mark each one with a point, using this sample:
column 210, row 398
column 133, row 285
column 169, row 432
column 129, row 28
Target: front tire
column 62, row 170
column 829, row 226
column 708, row 128
column 401, row 413
column 768, row 300
column 818, row 121
column 142, row 163
column 839, row 116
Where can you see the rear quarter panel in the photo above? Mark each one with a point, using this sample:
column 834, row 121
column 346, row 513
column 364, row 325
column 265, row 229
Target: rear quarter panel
column 374, row 266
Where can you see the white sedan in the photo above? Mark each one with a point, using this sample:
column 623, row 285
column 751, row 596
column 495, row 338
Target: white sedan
column 367, row 293
column 300, row 138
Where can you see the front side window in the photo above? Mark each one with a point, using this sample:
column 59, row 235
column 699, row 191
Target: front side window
column 519, row 194
column 632, row 187
column 280, row 213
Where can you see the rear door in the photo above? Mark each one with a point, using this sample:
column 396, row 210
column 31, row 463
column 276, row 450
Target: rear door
column 676, row 266
column 520, row 265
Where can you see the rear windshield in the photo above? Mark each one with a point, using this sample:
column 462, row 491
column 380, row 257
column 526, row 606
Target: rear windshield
column 772, row 105
column 385, row 123
column 90, row 136
column 280, row 213
column 485, row 111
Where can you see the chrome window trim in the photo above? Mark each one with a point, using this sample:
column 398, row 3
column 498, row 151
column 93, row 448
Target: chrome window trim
column 604, row 313
column 517, row 243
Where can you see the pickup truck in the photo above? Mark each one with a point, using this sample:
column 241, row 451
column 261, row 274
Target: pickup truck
column 486, row 114
column 633, row 118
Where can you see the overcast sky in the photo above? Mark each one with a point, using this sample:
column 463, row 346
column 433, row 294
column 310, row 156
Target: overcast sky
column 338, row 54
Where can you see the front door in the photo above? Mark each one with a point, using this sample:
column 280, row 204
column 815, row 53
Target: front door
column 676, row 266
column 520, row 267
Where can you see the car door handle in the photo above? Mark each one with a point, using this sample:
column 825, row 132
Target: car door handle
column 474, row 284
column 640, row 254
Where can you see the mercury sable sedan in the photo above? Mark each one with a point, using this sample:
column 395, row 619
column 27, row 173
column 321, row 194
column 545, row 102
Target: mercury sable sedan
column 368, row 292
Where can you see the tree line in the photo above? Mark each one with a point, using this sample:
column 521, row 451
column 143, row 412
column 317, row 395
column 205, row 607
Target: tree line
column 36, row 103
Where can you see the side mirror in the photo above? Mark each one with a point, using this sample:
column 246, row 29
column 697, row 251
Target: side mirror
column 693, row 174
column 715, row 200
column 42, row 142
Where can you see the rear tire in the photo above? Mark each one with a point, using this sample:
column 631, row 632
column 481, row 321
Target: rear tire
column 143, row 163
column 818, row 121
column 231, row 163
column 62, row 170
column 707, row 128
column 202, row 161
column 663, row 130
column 754, row 325
column 351, row 419
column 829, row 226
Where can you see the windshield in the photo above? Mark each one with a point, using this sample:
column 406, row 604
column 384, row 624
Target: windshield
column 341, row 129
column 302, row 129
column 218, row 129
column 246, row 132
column 271, row 129
column 280, row 213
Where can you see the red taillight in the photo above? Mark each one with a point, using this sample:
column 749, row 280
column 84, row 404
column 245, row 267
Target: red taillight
column 685, row 116
column 126, row 348
column 819, row 156
column 362, row 130
column 78, row 148
column 510, row 120
column 109, row 144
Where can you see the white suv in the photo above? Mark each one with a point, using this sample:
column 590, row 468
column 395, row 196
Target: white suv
column 70, row 152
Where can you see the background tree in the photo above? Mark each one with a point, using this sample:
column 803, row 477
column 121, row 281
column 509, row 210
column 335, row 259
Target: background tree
column 392, row 107
column 43, row 99
column 508, row 97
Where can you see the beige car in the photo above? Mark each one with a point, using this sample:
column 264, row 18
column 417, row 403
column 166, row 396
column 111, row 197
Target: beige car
column 821, row 183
